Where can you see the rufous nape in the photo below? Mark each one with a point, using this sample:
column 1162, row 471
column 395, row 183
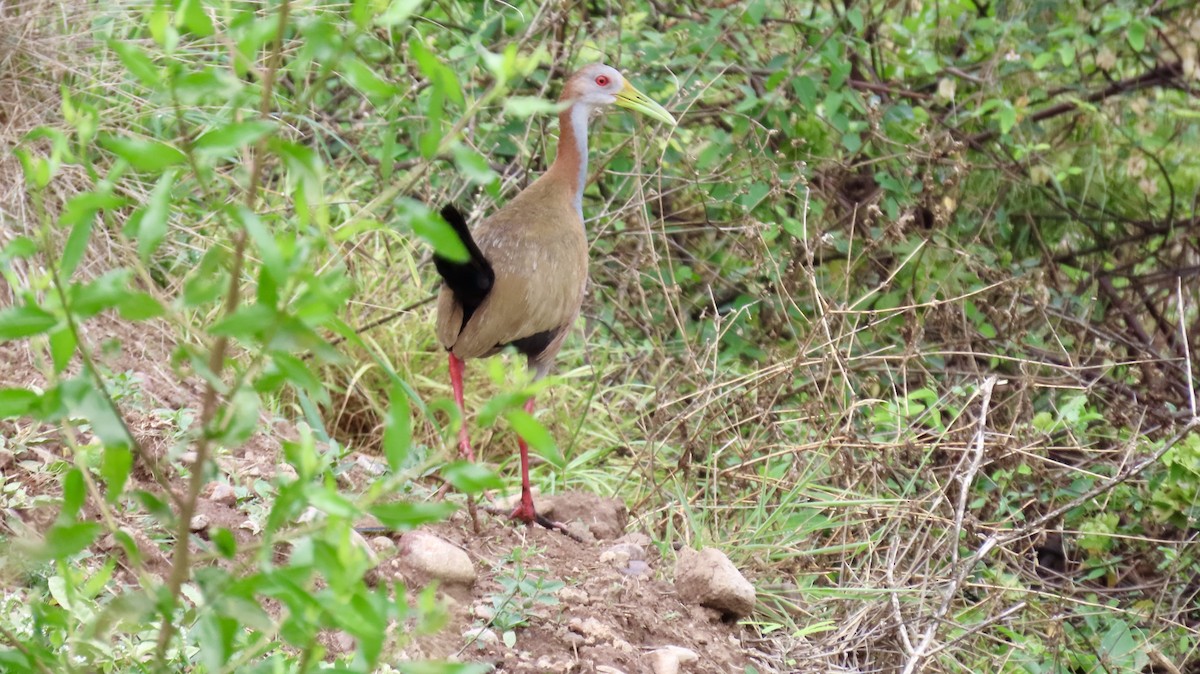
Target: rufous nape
column 525, row 278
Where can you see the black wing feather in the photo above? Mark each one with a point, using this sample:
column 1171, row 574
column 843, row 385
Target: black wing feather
column 470, row 281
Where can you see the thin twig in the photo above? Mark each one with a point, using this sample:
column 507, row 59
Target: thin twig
column 917, row 657
column 1187, row 348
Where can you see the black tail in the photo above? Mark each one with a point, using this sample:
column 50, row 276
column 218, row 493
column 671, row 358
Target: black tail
column 470, row 281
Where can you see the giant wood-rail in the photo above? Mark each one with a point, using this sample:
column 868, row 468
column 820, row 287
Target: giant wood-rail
column 525, row 279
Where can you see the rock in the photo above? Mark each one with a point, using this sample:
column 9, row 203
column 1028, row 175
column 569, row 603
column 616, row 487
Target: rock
column 573, row 595
column 383, row 546
column 636, row 538
column 370, row 465
column 480, row 636
column 592, row 630
column 483, row 611
column 342, row 643
column 662, row 662
column 709, row 579
column 199, row 523
column 426, row 557
column 547, row 663
column 581, row 532
column 636, row 568
column 223, row 494
column 621, row 554
column 669, row 659
column 605, row 518
column 686, row 655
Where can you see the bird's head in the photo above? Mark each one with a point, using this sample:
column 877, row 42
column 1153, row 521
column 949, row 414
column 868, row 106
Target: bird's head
column 598, row 85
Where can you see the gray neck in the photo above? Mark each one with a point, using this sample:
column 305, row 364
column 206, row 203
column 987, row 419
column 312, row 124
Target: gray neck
column 579, row 133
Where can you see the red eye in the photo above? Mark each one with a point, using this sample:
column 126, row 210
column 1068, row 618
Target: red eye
column 602, row 80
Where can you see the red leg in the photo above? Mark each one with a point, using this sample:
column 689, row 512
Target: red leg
column 456, row 383
column 525, row 511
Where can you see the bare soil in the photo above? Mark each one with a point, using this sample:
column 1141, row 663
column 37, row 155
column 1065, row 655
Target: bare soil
column 605, row 616
column 605, row 619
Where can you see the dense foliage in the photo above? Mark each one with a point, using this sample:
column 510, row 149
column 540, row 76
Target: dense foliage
column 902, row 315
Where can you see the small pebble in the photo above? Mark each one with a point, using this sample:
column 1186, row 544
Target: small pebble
column 636, row 538
column 223, row 494
column 636, row 568
column 480, row 636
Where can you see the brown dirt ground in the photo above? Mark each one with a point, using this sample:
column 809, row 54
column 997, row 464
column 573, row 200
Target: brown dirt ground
column 604, row 618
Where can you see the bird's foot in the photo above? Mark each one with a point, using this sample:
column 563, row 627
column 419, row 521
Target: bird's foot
column 525, row 513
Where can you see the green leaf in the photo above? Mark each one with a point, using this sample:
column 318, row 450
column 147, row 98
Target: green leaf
column 149, row 156
column 806, row 91
column 161, row 29
column 1137, row 35
column 241, row 418
column 74, row 493
column 401, row 516
column 1007, row 115
column 755, row 193
column 473, row 165
column 528, row 106
column 84, row 400
column 225, row 541
column 19, row 248
column 436, row 231
column 137, row 62
column 24, row 321
column 64, row 540
column 531, row 431
column 397, row 433
column 471, row 478
column 303, row 165
column 79, row 214
column 109, row 290
column 75, row 247
column 1066, row 54
column 36, row 168
column 150, row 222
column 398, row 12
column 362, row 77
column 140, row 306
column 214, row 636
column 191, row 15
column 62, row 348
column 328, row 501
column 114, row 468
column 298, row 374
column 247, row 322
column 17, row 402
column 264, row 241
column 443, row 79
column 207, row 281
column 207, row 85
column 228, row 139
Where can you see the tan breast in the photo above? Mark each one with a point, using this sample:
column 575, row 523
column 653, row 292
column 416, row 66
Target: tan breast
column 538, row 250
